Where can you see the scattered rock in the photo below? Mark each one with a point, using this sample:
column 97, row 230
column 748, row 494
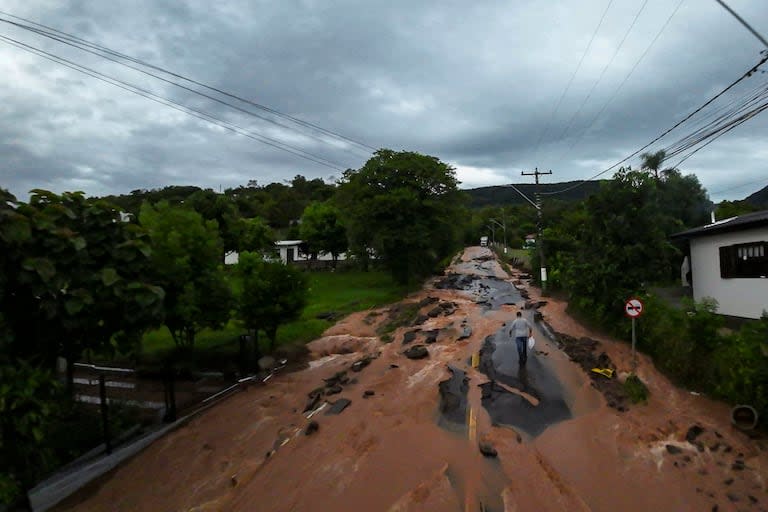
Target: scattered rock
column 409, row 336
column 427, row 301
column 733, row 497
column 392, row 366
column 361, row 363
column 431, row 336
column 338, row 406
column 693, row 432
column 416, row 352
column 673, row 450
column 435, row 312
column 738, row 465
column 715, row 508
column 728, row 482
column 538, row 316
column 312, row 403
column 368, row 393
column 752, row 499
column 233, row 481
column 487, row 449
column 420, row 319
column 333, row 390
column 335, row 379
column 311, row 428
column 728, row 449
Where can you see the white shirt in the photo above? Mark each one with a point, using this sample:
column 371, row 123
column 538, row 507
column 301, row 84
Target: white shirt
column 520, row 328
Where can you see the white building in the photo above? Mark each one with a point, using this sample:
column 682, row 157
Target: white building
column 728, row 262
column 288, row 252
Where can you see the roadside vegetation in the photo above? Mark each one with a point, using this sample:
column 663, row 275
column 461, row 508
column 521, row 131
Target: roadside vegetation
column 141, row 278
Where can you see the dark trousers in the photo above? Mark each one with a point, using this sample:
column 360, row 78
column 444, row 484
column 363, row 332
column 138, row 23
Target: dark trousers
column 522, row 348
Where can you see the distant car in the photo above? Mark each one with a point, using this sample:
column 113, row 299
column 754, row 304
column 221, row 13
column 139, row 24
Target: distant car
column 483, row 241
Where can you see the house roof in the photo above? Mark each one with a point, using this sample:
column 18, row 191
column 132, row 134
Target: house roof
column 288, row 243
column 742, row 222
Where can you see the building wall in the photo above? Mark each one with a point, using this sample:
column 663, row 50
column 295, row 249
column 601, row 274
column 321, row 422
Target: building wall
column 736, row 297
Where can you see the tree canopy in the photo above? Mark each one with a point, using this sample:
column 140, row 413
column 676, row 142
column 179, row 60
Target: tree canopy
column 404, row 206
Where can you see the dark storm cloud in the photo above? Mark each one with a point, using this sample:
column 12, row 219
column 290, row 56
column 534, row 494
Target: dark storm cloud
column 474, row 84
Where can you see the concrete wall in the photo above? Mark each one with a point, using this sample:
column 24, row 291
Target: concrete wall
column 736, row 296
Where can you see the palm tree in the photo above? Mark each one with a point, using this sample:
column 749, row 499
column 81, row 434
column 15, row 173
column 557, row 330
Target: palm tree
column 653, row 161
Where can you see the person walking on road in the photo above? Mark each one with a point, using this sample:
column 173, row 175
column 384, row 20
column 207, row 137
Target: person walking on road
column 521, row 329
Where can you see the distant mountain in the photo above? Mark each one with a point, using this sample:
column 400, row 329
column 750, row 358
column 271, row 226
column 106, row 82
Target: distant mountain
column 504, row 195
column 759, row 198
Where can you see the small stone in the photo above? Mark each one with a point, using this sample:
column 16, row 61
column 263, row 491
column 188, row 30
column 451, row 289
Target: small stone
column 368, row 392
column 333, row 390
column 420, row 320
column 465, row 333
column 728, row 482
column 338, row 406
column 673, row 450
column 416, row 352
column 409, row 336
column 738, row 465
column 733, row 497
column 715, row 508
column 728, row 449
column 311, row 428
column 233, row 481
column 519, row 439
column 752, row 499
column 312, row 403
column 687, row 458
column 693, row 432
column 431, row 337
column 487, row 449
column 360, row 364
column 393, row 366
column 435, row 312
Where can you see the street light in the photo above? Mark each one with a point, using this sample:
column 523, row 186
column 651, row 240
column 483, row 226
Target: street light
column 504, row 227
column 493, row 233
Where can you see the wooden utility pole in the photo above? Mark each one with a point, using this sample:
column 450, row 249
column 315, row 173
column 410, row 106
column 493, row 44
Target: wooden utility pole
column 540, row 237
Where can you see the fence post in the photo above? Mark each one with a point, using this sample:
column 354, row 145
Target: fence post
column 104, row 412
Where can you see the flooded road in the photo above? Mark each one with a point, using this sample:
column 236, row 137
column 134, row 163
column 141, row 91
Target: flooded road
column 443, row 418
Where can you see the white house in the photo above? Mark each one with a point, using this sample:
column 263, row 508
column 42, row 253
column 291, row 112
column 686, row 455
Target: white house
column 728, row 261
column 288, row 252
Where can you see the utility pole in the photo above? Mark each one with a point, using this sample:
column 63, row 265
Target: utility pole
column 540, row 237
column 504, row 227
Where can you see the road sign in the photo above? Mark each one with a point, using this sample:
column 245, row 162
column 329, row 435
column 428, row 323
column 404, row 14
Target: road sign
column 633, row 308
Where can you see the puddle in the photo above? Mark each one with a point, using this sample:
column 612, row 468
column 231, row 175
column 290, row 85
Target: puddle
column 528, row 399
column 453, row 400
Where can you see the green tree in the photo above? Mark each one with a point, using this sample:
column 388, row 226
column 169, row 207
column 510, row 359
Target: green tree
column 272, row 294
column 619, row 247
column 254, row 235
column 728, row 209
column 683, row 199
column 222, row 209
column 322, row 229
column 404, row 206
column 186, row 262
column 653, row 162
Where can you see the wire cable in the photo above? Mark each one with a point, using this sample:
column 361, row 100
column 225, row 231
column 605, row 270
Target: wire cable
column 51, row 32
column 570, row 81
column 626, row 78
column 602, row 73
column 749, row 73
column 172, row 104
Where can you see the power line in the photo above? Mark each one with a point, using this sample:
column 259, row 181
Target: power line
column 763, row 180
column 172, row 104
column 570, row 81
column 81, row 43
column 602, row 73
column 743, row 22
column 666, row 132
column 626, row 78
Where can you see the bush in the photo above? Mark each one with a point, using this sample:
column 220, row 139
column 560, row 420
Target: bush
column 636, row 390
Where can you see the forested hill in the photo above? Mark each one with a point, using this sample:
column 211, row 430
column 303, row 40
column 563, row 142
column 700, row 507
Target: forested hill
column 507, row 196
column 759, row 198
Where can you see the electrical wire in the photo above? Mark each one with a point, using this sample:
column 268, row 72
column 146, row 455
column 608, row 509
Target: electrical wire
column 570, row 81
column 749, row 73
column 736, row 187
column 626, row 78
column 602, row 73
column 173, row 104
column 94, row 48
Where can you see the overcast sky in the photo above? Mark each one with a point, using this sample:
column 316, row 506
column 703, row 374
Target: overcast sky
column 473, row 83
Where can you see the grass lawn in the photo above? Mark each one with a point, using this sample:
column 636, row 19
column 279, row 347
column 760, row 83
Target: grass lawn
column 342, row 292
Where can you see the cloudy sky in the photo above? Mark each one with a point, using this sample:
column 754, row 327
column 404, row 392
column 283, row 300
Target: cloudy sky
column 477, row 84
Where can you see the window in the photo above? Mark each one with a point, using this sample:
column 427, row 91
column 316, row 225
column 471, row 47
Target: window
column 744, row 260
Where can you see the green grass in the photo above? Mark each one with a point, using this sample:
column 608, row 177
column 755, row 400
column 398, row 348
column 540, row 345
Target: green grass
column 636, row 389
column 340, row 292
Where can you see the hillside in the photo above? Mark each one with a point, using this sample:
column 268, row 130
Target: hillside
column 502, row 195
column 759, row 198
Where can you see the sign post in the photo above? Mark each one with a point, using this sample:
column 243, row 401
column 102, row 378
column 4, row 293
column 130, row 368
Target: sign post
column 633, row 308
